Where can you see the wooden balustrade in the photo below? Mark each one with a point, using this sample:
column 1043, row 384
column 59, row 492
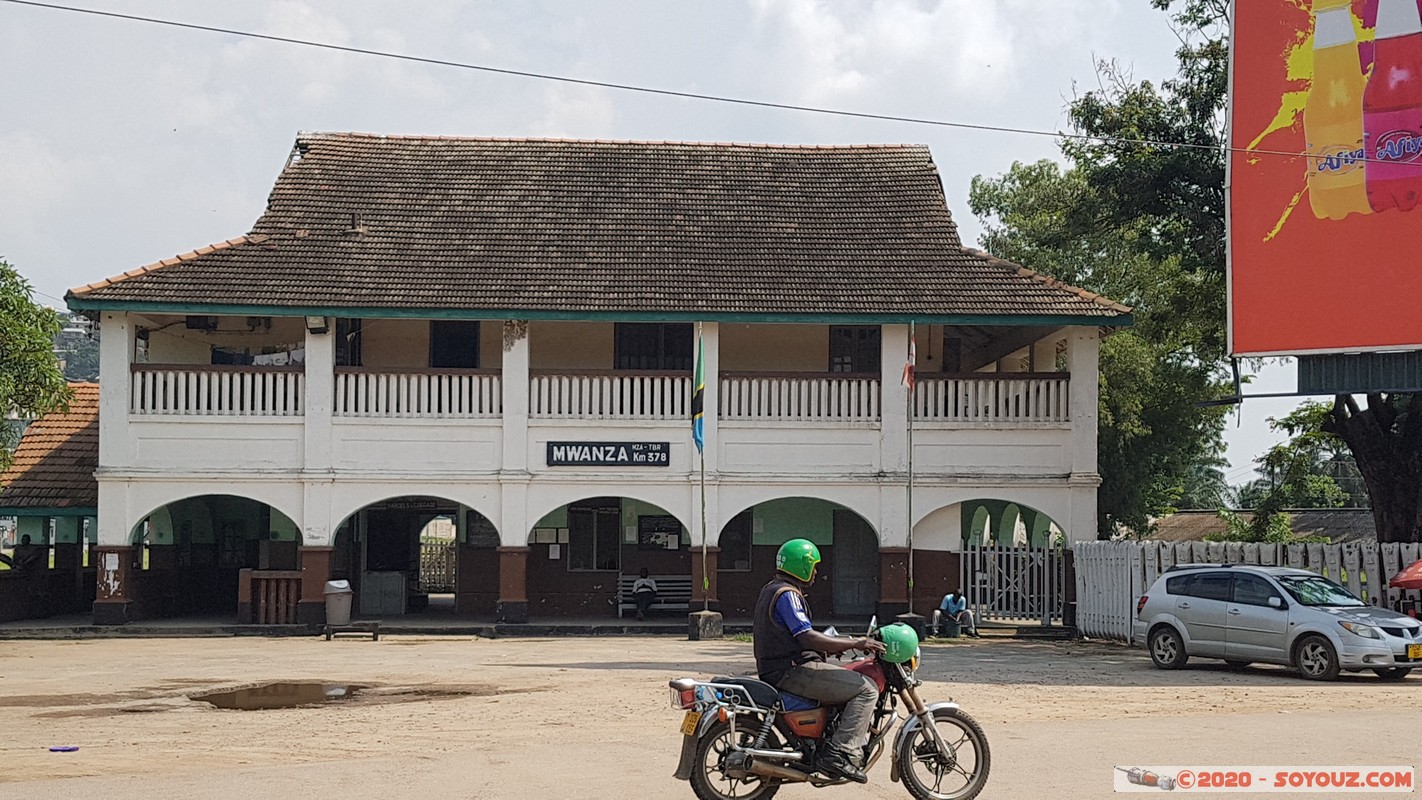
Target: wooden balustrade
column 601, row 394
column 425, row 393
column 217, row 390
column 993, row 398
column 799, row 397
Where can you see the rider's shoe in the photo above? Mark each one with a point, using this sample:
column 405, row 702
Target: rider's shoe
column 837, row 765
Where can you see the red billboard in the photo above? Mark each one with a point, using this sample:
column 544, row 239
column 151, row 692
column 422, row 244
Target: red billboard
column 1325, row 176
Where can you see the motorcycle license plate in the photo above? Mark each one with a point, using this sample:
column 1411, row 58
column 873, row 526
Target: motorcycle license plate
column 1414, row 651
column 688, row 723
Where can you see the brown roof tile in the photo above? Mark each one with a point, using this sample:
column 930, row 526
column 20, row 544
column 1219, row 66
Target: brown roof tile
column 370, row 222
column 54, row 465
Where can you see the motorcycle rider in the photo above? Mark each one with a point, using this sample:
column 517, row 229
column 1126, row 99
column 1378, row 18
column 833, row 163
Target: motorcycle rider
column 790, row 655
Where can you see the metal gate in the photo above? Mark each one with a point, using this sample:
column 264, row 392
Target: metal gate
column 1014, row 583
column 437, row 566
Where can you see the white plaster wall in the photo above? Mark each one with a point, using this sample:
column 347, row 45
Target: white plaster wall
column 770, row 448
column 183, row 445
column 412, row 446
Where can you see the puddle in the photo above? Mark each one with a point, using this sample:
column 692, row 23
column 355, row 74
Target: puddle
column 279, row 695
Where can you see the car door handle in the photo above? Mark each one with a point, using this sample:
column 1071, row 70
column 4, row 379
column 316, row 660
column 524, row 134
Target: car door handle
column 1183, row 605
column 1236, row 612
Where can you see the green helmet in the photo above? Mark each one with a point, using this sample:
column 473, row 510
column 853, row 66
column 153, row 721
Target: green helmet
column 900, row 643
column 797, row 558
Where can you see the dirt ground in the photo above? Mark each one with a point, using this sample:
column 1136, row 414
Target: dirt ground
column 589, row 717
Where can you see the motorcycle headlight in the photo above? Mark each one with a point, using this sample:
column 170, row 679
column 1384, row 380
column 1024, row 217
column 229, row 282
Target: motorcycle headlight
column 1365, row 631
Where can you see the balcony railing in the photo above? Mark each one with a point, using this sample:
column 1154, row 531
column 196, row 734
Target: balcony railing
column 799, row 397
column 266, row 391
column 988, row 398
column 419, row 393
column 607, row 394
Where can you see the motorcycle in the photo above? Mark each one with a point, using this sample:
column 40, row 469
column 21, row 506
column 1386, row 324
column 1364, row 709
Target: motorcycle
column 743, row 739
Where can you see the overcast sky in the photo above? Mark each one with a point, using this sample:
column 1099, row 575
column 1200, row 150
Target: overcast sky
column 122, row 142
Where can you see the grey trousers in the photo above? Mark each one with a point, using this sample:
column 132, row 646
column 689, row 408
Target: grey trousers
column 834, row 685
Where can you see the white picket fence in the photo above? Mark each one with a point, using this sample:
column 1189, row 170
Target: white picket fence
column 1111, row 576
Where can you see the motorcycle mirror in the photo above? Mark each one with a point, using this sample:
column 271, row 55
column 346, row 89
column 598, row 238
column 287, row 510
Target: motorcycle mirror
column 874, row 623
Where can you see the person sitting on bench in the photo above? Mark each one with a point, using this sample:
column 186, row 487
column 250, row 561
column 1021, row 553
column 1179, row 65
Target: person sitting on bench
column 644, row 593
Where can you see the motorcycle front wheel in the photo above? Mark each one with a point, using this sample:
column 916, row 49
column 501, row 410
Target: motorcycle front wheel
column 708, row 774
column 958, row 774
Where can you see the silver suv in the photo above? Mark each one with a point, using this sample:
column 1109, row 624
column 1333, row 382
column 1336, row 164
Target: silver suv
column 1275, row 615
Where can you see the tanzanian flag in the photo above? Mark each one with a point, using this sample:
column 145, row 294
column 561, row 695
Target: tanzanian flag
column 698, row 396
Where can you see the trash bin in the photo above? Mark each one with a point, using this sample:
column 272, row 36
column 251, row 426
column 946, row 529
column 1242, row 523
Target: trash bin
column 338, row 602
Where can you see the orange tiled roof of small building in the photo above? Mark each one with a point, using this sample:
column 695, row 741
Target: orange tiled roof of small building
column 54, row 465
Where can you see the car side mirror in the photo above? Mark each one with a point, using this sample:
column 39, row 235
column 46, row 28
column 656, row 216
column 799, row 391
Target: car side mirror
column 1275, row 602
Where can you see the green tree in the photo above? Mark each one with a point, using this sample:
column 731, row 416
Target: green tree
column 1143, row 223
column 78, row 349
column 30, row 381
column 1385, row 440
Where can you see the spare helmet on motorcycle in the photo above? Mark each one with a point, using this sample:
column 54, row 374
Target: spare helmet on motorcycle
column 797, row 558
column 900, row 643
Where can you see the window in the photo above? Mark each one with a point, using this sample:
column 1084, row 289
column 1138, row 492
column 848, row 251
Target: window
column 454, row 344
column 1252, row 590
column 1211, row 586
column 854, row 348
column 594, row 535
column 1180, row 585
column 653, row 345
column 736, row 544
column 348, row 340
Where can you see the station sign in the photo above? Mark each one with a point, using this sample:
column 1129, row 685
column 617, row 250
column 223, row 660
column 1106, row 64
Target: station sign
column 609, row 454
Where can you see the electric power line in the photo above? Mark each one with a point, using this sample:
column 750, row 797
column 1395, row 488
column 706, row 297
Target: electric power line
column 626, row 87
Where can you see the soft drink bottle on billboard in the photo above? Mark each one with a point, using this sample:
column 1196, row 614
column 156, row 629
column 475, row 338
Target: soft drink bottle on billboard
column 1333, row 115
column 1392, row 109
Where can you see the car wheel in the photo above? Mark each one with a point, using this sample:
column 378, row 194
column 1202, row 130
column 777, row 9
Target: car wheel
column 1392, row 673
column 1237, row 664
column 1316, row 659
column 1167, row 650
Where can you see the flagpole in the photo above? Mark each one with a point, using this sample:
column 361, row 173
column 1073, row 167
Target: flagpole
column 909, row 403
column 698, row 380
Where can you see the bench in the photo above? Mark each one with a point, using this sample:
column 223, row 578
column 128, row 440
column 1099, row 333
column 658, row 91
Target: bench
column 363, row 628
column 673, row 593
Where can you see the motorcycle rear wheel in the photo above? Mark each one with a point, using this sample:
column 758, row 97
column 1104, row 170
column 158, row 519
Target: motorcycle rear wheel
column 957, row 775
column 708, row 778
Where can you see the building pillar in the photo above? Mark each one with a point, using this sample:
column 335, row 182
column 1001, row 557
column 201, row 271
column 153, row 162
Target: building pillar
column 700, row 594
column 113, row 604
column 512, row 606
column 893, row 406
column 711, row 400
column 893, row 583
column 514, row 380
column 115, row 357
column 315, row 571
column 320, row 395
column 1083, row 360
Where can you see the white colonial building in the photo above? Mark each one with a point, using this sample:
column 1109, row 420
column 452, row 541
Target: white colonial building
column 501, row 333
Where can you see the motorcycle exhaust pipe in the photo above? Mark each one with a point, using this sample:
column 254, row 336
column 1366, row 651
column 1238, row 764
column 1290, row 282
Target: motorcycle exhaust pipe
column 767, row 769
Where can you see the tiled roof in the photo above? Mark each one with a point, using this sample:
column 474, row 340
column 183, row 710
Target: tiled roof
column 54, row 465
column 1340, row 525
column 359, row 221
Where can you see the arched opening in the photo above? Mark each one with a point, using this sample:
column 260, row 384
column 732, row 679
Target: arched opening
column 189, row 553
column 418, row 554
column 1003, row 555
column 580, row 552
column 846, row 586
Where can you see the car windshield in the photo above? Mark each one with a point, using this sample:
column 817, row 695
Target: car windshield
column 1316, row 590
